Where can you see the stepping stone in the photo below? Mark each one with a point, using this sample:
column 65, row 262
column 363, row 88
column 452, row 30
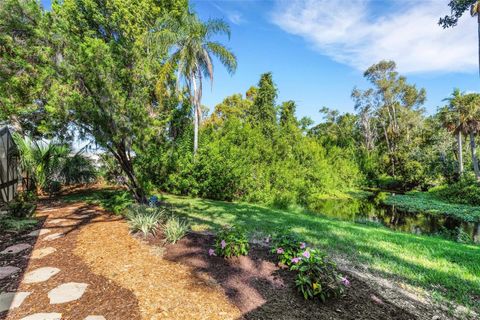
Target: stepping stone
column 53, row 236
column 95, row 318
column 40, row 253
column 40, row 275
column 39, row 232
column 67, row 292
column 16, row 248
column 8, row 271
column 57, row 221
column 44, row 316
column 12, row 300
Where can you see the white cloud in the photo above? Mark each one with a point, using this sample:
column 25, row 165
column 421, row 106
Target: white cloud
column 233, row 16
column 356, row 33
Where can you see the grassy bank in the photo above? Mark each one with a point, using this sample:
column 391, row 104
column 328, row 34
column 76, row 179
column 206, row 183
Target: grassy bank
column 428, row 203
column 447, row 269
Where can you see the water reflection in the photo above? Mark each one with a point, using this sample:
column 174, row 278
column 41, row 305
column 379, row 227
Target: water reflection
column 370, row 211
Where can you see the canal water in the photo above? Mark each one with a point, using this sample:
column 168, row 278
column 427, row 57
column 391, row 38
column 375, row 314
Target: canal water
column 371, row 211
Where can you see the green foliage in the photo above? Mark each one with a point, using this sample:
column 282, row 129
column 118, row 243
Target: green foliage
column 21, row 206
column 231, row 242
column 287, row 246
column 52, row 188
column 318, row 276
column 144, row 219
column 17, row 224
column 115, row 202
column 78, row 169
column 465, row 191
column 427, row 202
column 174, row 229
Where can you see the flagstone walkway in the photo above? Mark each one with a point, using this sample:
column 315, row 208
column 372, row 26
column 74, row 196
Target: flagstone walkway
column 84, row 264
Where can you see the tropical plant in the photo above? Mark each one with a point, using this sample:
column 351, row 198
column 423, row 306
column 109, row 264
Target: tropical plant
column 190, row 42
column 231, row 241
column 78, row 169
column 144, row 219
column 318, row 276
column 174, row 229
column 41, row 161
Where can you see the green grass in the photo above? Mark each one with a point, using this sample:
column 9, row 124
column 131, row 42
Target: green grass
column 427, row 203
column 449, row 270
column 17, row 224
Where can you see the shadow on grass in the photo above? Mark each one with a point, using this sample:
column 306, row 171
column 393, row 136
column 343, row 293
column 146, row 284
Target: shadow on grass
column 448, row 268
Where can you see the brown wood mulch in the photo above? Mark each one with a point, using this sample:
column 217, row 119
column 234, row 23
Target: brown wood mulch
column 102, row 297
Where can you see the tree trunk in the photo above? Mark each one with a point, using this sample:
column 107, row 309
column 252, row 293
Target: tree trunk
column 460, row 153
column 478, row 31
column 196, row 119
column 474, row 155
column 127, row 167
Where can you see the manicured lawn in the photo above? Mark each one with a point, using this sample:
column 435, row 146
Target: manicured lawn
column 449, row 270
column 427, row 203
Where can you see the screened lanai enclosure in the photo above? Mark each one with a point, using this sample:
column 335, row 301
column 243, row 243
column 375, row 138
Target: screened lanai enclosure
column 9, row 166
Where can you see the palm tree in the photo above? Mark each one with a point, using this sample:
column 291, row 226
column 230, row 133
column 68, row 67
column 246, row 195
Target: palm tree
column 470, row 113
column 451, row 119
column 190, row 44
column 40, row 161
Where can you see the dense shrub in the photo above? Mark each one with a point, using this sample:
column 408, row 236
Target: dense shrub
column 231, row 242
column 22, row 205
column 318, row 276
column 465, row 191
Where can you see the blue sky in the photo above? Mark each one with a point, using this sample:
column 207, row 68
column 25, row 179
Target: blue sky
column 318, row 49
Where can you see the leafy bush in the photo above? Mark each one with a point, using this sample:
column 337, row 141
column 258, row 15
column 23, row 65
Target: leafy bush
column 465, row 191
column 287, row 246
column 20, row 206
column 174, row 229
column 318, row 276
column 52, row 187
column 116, row 202
column 144, row 219
column 231, row 242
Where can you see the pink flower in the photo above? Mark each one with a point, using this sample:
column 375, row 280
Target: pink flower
column 295, row 260
column 223, row 244
column 345, row 281
column 280, row 250
column 211, row 252
column 303, row 245
column 306, row 254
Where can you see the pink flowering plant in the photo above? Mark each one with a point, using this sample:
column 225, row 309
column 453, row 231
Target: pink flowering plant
column 288, row 247
column 317, row 276
column 231, row 242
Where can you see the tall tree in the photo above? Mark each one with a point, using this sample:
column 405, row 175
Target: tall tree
column 25, row 64
column 190, row 42
column 107, row 88
column 470, row 113
column 458, row 8
column 397, row 108
column 263, row 111
column 453, row 120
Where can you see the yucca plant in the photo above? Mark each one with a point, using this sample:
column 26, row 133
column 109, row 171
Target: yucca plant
column 174, row 229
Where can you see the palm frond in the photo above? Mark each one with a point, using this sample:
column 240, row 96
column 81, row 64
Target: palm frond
column 226, row 57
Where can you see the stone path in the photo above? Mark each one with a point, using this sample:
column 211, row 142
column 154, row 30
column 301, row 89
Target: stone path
column 43, row 277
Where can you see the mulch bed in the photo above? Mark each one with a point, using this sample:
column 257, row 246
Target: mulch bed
column 262, row 290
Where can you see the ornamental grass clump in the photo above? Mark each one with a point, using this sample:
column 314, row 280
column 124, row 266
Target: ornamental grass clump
column 317, row 276
column 174, row 229
column 144, row 219
column 231, row 242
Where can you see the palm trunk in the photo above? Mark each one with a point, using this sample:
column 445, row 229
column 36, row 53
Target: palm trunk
column 460, row 153
column 474, row 155
column 478, row 31
column 196, row 119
